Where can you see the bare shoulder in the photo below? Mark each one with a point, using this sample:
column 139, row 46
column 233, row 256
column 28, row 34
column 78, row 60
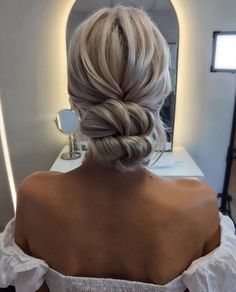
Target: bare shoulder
column 28, row 204
column 188, row 182
column 34, row 178
column 34, row 190
column 201, row 207
column 28, row 209
column 31, row 184
column 199, row 197
column 32, row 202
column 209, row 218
column 194, row 189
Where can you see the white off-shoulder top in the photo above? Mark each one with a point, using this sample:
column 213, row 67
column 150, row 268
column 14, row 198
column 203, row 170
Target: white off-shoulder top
column 214, row 272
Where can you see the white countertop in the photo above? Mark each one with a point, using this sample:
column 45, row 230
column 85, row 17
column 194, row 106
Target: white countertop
column 177, row 163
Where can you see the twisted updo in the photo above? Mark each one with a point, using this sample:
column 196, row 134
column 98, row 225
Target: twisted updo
column 118, row 78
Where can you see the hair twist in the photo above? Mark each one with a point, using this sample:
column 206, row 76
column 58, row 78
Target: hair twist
column 120, row 132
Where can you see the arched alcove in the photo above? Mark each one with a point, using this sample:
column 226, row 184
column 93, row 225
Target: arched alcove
column 164, row 15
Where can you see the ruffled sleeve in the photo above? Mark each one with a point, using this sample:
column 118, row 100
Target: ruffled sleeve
column 18, row 269
column 216, row 271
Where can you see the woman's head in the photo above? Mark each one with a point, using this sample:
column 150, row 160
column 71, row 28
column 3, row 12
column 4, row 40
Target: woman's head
column 118, row 78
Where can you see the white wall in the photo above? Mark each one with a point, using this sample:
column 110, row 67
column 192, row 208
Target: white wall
column 205, row 100
column 32, row 83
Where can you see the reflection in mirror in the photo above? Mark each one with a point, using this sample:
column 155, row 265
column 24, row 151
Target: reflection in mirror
column 163, row 14
column 67, row 121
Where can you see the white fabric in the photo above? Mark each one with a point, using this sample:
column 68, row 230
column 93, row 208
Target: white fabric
column 215, row 272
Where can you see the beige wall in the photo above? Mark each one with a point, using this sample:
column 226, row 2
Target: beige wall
column 32, row 85
column 205, row 100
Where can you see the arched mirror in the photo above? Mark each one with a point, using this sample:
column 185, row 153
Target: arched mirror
column 163, row 14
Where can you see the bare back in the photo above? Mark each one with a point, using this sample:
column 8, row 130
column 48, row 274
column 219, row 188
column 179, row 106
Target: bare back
column 132, row 226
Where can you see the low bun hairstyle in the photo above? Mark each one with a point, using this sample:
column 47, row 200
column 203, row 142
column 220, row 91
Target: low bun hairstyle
column 118, row 78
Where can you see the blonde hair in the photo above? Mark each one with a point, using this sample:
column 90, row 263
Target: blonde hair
column 118, row 78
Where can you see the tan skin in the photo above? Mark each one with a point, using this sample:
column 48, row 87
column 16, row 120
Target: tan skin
column 98, row 222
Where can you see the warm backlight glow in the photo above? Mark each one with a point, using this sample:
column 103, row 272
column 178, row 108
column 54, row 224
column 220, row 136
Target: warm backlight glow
column 6, row 156
column 225, row 55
